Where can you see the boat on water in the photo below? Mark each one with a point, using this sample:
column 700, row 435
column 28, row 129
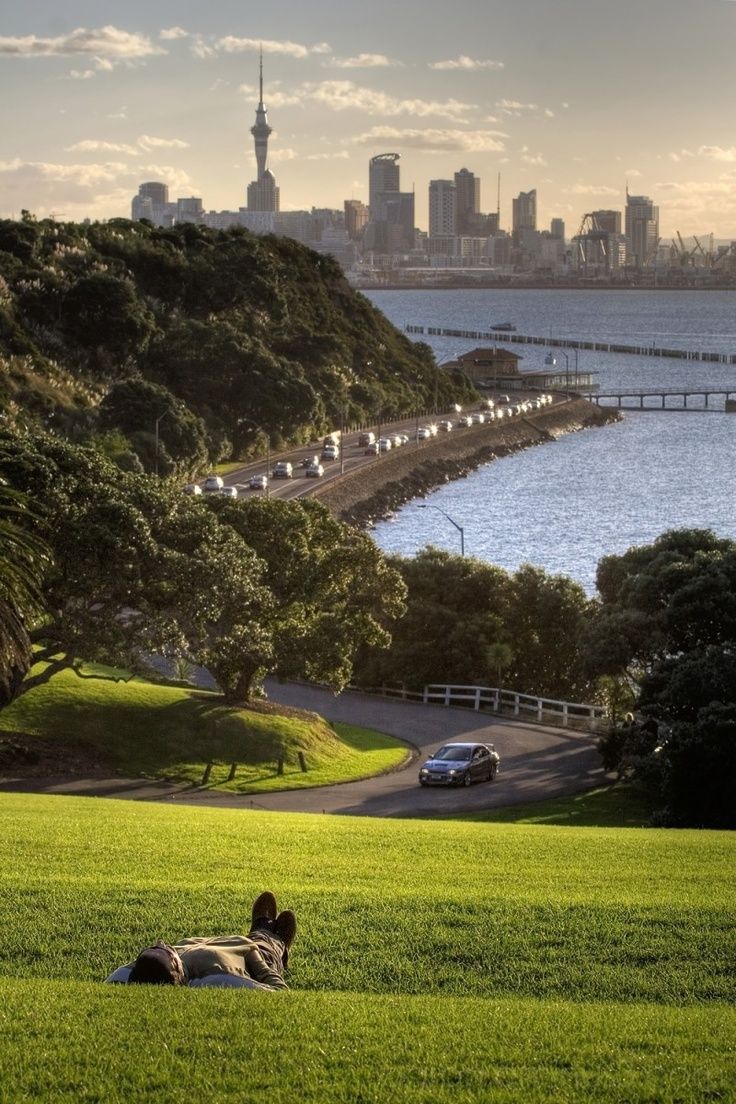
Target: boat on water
column 506, row 327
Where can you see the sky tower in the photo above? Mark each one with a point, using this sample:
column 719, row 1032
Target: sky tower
column 263, row 195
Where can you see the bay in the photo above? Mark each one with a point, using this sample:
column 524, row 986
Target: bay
column 564, row 505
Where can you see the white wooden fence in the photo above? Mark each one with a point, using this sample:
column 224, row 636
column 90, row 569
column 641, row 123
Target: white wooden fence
column 507, row 702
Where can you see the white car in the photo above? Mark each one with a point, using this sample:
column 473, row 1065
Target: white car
column 423, row 433
column 396, row 440
column 384, row 444
column 258, row 482
column 213, row 483
column 228, row 492
column 314, row 471
column 445, row 425
column 192, row 489
column 330, row 452
column 478, row 418
column 282, row 470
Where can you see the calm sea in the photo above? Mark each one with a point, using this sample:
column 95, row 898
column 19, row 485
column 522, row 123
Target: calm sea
column 566, row 504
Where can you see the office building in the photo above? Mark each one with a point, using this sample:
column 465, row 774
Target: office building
column 262, row 193
column 557, row 229
column 524, row 213
column 642, row 230
column 442, row 208
column 383, row 176
column 467, row 201
column 356, row 217
column 152, row 203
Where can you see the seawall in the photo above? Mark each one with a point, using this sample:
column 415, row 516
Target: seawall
column 374, row 492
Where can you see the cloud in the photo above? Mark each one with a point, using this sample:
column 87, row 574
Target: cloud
column 346, row 96
column 147, row 142
column 108, row 42
column 342, row 155
column 467, row 63
column 81, row 74
column 632, row 173
column 549, row 114
column 169, row 34
column 533, row 158
column 712, row 153
column 515, row 107
column 360, row 61
column 434, row 140
column 284, row 154
column 230, row 44
column 91, row 145
column 592, row 189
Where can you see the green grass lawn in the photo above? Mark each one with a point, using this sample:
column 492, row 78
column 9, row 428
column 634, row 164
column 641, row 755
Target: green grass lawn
column 436, row 961
column 623, row 805
column 143, row 728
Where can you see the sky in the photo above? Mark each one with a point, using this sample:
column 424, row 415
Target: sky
column 576, row 98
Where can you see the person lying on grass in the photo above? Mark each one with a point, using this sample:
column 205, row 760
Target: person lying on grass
column 253, row 961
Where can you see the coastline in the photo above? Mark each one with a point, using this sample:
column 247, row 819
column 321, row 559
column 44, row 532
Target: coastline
column 369, row 495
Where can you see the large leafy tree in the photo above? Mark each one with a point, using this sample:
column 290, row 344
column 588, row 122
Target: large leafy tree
column 332, row 590
column 23, row 560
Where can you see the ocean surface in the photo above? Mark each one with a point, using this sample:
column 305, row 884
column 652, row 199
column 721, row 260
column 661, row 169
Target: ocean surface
column 565, row 504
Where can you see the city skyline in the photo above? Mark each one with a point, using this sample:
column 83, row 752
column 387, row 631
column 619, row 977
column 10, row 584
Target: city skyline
column 555, row 97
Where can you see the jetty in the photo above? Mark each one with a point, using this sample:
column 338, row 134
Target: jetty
column 650, row 349
column 667, row 400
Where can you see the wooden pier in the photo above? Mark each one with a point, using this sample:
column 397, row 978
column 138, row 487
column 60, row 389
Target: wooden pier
column 497, row 337
column 666, row 400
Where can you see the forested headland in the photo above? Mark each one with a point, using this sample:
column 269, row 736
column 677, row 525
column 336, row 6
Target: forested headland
column 112, row 331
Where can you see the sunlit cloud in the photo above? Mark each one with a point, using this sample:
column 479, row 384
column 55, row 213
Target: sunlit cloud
column 81, row 74
column 712, row 153
column 341, row 155
column 92, row 145
column 231, row 44
column 434, row 140
column 148, row 142
column 360, row 61
column 108, row 41
column 345, row 95
column 592, row 190
column 169, row 34
column 467, row 63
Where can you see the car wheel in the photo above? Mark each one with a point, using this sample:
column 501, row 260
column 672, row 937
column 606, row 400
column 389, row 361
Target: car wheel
column 467, row 779
column 424, row 784
column 494, row 771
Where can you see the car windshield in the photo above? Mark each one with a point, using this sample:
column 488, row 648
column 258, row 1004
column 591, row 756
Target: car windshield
column 450, row 752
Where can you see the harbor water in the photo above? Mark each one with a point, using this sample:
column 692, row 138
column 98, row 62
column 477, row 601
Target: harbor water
column 565, row 504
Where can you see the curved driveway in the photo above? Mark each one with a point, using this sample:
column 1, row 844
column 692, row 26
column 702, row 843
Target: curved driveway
column 536, row 762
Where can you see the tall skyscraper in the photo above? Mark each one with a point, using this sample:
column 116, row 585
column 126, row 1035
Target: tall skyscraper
column 383, row 176
column 642, row 229
column 263, row 195
column 442, row 208
column 557, row 229
column 524, row 211
column 356, row 216
column 467, row 199
column 152, row 202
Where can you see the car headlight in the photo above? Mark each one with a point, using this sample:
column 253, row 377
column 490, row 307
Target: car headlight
column 453, row 772
column 424, row 771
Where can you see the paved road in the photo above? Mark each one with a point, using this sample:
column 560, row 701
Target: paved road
column 536, row 763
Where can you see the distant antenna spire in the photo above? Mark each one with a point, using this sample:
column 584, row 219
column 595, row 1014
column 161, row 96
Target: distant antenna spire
column 498, row 200
column 260, row 76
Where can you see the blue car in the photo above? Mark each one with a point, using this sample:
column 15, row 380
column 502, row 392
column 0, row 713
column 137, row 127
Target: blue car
column 460, row 765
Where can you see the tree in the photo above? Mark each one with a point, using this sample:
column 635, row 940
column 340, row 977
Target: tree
column 332, row 589
column 23, row 559
column 134, row 405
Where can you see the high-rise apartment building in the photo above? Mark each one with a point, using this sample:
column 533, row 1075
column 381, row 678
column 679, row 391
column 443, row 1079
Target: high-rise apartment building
column 524, row 211
column 383, row 176
column 467, row 200
column 152, row 202
column 642, row 230
column 356, row 216
column 557, row 229
column 262, row 194
column 442, row 208
column 610, row 221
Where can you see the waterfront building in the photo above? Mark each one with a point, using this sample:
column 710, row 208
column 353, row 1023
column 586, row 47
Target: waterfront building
column 262, row 193
column 442, row 208
column 467, row 200
column 642, row 230
column 498, row 368
column 383, row 176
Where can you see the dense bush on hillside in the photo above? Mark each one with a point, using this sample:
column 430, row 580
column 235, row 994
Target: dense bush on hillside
column 667, row 623
column 237, row 331
column 471, row 623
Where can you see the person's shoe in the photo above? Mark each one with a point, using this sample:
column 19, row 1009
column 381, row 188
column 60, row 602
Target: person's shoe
column 264, row 908
column 284, row 927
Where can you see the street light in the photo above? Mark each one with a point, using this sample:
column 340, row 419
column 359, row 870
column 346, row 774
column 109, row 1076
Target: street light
column 550, row 359
column 461, row 531
column 268, row 451
column 159, row 419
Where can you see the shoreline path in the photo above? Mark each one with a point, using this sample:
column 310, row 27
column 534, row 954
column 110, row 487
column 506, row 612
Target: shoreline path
column 537, row 763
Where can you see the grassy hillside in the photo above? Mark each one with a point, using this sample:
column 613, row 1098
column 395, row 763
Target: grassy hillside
column 137, row 727
column 435, row 961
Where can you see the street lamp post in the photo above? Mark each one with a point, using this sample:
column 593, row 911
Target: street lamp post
column 159, row 419
column 550, row 359
column 461, row 531
column 268, row 451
